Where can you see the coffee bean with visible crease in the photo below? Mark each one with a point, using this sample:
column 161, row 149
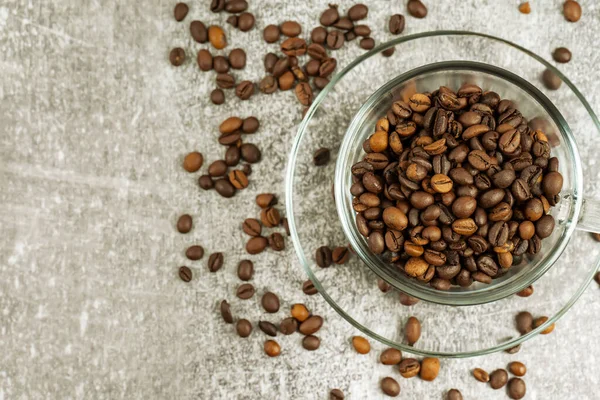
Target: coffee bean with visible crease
column 309, row 288
column 217, row 5
column 268, row 328
column 276, row 241
column 225, row 81
column 215, row 262
column 293, row 46
column 335, row 39
column 252, row 227
column 323, row 256
column 416, row 8
column 396, row 24
column 245, row 291
column 226, row 312
column 244, row 90
column 185, row 274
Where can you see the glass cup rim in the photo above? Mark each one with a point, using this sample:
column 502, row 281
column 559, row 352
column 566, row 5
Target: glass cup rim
column 486, row 293
column 289, row 198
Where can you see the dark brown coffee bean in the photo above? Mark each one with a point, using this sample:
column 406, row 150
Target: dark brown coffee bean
column 215, row 262
column 177, row 56
column 335, row 39
column 291, row 28
column 256, row 245
column 270, row 302
column 244, row 90
column 479, row 159
column 390, row 387
column 217, row 97
column 184, row 223
column 205, row 60
column 312, row 343
column 194, row 253
column 232, row 20
column 309, row 288
column 243, row 328
column 311, row 325
column 323, row 256
column 245, row 22
column 185, row 274
column 336, row 394
column 271, row 34
column 396, row 24
column 367, row 43
column 416, row 8
column 276, row 241
column 362, row 30
column 454, row 394
column 561, row 55
column 236, row 6
column 220, row 64
column 544, row 226
column 288, row 326
column 524, row 321
column 180, row 11
column 224, row 188
column 245, row 270
column 269, row 61
column 245, row 291
column 572, row 10
column 199, row 32
column 217, row 5
column 250, row 153
column 550, row 80
column 498, row 378
column 217, row 168
column 237, row 58
column 268, row 328
column 516, row 386
column 268, row 85
column 225, row 81
column 205, row 182
column 226, row 312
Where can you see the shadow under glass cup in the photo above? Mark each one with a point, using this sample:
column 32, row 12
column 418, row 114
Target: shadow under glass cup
column 534, row 106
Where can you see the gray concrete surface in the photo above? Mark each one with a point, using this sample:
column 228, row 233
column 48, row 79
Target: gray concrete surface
column 94, row 124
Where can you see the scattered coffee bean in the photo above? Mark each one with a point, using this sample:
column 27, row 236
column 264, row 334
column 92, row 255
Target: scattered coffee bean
column 309, row 288
column 430, row 367
column 321, row 156
column 320, row 83
column 516, row 388
column 217, row 5
column 245, row 291
column 268, row 328
column 237, row 58
column 291, row 28
column 184, row 223
column 597, row 278
column 217, row 97
column 193, row 161
column 517, row 368
column 238, row 179
column 244, row 90
column 407, row 300
column 225, row 81
column 390, row 387
column 215, row 262
column 329, row 16
column 514, row 349
column 294, row 47
column 272, row 348
column 304, row 93
column 180, row 11
column 216, row 36
column 571, row 11
column 528, row 291
column 498, row 378
column 561, row 55
column 390, row 356
column 361, row 345
column 481, row 375
column 245, row 270
column 367, row 43
column 416, row 8
column 362, row 30
column 358, row 12
column 177, row 56
column 539, row 322
column 340, row 255
column 194, row 253
column 335, row 39
column 344, row 23
column 409, row 367
column 311, row 325
column 311, row 343
column 288, row 326
column 185, row 274
column 525, row 8
column 551, row 80
column 246, row 22
column 336, row 394
column 226, row 312
column 323, row 256
column 276, row 241
column 270, row 217
column 524, row 321
column 232, row 20
column 318, row 35
column 198, row 31
column 224, row 188
column 250, row 125
column 251, row 227
column 269, row 61
column 271, row 34
column 270, row 302
column 396, row 24
column 243, row 328
column 236, row 6
column 217, row 168
column 205, row 60
column 232, row 156
column 327, row 67
column 265, row 200
column 300, row 312
column 250, row 153
column 412, row 330
column 256, row 245
column 205, row 182
column 454, row 394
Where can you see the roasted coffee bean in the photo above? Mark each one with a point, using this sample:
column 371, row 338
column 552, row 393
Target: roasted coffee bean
column 224, row 188
column 184, row 223
column 237, row 58
column 481, row 277
column 256, row 245
column 185, row 274
column 358, row 12
column 323, row 256
column 454, row 394
column 327, row 67
column 286, row 81
column 416, row 8
column 216, row 36
column 205, row 60
column 344, row 23
column 272, row 348
column 335, row 39
column 180, row 11
column 310, row 342
column 245, row 270
column 430, row 368
column 291, row 28
column 215, row 262
column 390, row 356
column 217, row 97
column 226, row 312
column 194, row 253
column 270, row 302
column 265, row 200
column 268, row 85
column 517, row 368
column 340, row 255
column 481, row 375
column 498, row 378
column 244, row 90
column 572, row 10
column 361, row 345
column 293, row 46
column 309, row 288
column 276, row 241
column 412, row 330
column 396, row 24
column 268, row 328
column 367, row 43
column 245, row 291
column 524, row 322
column 271, row 59
column 539, row 322
column 390, row 386
column 270, row 217
column 362, row 30
column 516, row 386
column 550, row 80
column 311, row 325
column 217, row 5
column 271, row 34
column 225, row 81
column 220, row 64
column 177, row 56
column 329, row 16
column 336, row 394
column 238, row 179
column 409, row 367
column 198, row 31
column 304, row 93
column 243, row 328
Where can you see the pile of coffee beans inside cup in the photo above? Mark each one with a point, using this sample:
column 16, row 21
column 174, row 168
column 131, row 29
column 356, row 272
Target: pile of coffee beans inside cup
column 455, row 187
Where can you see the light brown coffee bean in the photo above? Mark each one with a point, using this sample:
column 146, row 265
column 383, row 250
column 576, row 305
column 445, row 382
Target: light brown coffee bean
column 361, row 345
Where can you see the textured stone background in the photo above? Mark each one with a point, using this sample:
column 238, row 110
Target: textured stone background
column 94, row 125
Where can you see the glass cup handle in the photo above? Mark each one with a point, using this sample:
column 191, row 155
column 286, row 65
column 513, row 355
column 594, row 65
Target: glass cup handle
column 589, row 220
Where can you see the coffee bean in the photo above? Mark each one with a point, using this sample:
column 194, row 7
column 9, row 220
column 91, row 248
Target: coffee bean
column 245, row 270
column 309, row 288
column 286, row 81
column 396, row 24
column 268, row 328
column 293, row 46
column 180, row 11
column 250, row 153
column 185, row 274
column 224, row 188
column 498, row 378
column 539, row 322
column 304, row 93
column 517, row 368
column 361, row 345
column 390, row 357
column 205, row 182
column 256, row 245
column 205, row 60
column 226, row 312
column 177, row 56
column 358, row 12
column 193, row 161
column 336, row 394
column 271, row 34
column 270, row 217
column 335, row 39
column 409, row 367
column 252, row 227
column 340, row 255
column 430, row 367
column 216, row 36
column 269, row 61
column 217, row 5
column 362, row 30
column 194, row 253
column 416, row 8
column 550, row 80
column 524, row 321
column 238, row 179
column 268, row 85
column 572, row 10
column 246, row 22
column 367, row 43
column 245, row 291
column 311, row 325
column 291, row 28
column 516, row 387
column 243, row 328
column 312, row 343
column 454, row 394
column 265, row 200
column 217, row 97
column 237, row 58
column 244, row 90
column 390, row 386
column 276, row 241
column 514, row 349
column 184, row 223
column 225, row 81
column 481, row 375
column 215, row 262
column 221, row 64
column 528, row 291
column 323, row 256
column 544, row 226
column 199, row 32
column 388, row 52
column 272, row 348
column 412, row 330
column 561, row 55
column 270, row 302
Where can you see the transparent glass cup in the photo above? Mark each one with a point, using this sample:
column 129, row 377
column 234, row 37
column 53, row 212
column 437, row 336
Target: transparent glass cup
column 572, row 212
